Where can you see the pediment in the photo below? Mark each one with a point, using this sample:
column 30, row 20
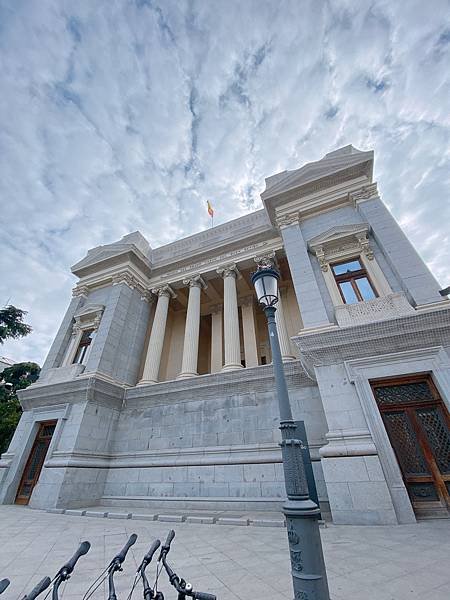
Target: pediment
column 334, row 162
column 89, row 310
column 133, row 242
column 338, row 233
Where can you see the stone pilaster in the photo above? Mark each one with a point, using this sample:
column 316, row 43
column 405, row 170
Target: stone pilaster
column 283, row 336
column 216, row 338
column 192, row 329
column 230, row 318
column 310, row 302
column 249, row 331
column 156, row 342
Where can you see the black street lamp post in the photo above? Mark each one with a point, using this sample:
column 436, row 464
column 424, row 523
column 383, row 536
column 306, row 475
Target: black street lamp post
column 302, row 514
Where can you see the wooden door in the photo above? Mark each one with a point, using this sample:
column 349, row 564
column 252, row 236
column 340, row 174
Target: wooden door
column 35, row 461
column 418, row 426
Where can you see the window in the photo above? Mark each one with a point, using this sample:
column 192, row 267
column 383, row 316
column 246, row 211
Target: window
column 83, row 347
column 353, row 282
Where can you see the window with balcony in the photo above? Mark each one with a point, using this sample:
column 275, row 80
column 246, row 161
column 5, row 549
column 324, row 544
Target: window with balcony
column 353, row 282
column 82, row 352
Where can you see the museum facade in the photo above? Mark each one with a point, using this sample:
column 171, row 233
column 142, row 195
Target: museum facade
column 158, row 389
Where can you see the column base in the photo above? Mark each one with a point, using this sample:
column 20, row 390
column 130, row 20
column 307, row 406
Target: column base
column 288, row 358
column 187, row 375
column 146, row 382
column 231, row 367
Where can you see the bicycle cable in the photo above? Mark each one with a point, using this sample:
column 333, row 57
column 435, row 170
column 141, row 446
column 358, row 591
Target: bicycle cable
column 88, row 593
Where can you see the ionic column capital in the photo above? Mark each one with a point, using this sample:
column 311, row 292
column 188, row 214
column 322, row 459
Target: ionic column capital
column 164, row 290
column 195, row 281
column 230, row 270
column 266, row 260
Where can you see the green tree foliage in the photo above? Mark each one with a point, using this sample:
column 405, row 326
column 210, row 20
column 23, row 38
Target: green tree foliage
column 11, row 323
column 19, row 376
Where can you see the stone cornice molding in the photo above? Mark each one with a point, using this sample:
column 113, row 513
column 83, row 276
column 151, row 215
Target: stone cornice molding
column 195, row 281
column 210, row 264
column 164, row 290
column 230, row 270
column 408, row 332
column 365, row 193
column 266, row 260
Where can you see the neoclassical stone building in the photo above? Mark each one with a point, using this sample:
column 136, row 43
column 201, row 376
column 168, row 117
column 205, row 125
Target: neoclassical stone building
column 158, row 388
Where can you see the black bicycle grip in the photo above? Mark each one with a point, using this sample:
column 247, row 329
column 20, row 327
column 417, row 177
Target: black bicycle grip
column 38, row 589
column 3, row 585
column 165, row 549
column 153, row 548
column 203, row 596
column 69, row 566
column 122, row 554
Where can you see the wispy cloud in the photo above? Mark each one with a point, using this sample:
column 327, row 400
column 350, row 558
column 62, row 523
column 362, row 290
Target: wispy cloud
column 118, row 116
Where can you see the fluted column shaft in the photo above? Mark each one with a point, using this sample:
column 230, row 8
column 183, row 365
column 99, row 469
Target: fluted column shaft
column 156, row 342
column 249, row 333
column 230, row 318
column 216, row 339
column 283, row 336
column 192, row 328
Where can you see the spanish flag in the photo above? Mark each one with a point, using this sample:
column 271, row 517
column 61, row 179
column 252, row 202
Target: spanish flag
column 210, row 209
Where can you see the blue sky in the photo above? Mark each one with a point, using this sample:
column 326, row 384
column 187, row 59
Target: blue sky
column 119, row 115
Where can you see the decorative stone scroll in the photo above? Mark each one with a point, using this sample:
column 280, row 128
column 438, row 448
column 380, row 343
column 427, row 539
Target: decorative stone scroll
column 230, row 270
column 80, row 290
column 195, row 281
column 287, row 220
column 164, row 290
column 366, row 192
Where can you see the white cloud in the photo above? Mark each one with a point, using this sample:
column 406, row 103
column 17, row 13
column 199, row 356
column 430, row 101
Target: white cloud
column 117, row 116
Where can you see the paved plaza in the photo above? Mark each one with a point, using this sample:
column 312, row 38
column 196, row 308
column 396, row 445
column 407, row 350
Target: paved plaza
column 233, row 562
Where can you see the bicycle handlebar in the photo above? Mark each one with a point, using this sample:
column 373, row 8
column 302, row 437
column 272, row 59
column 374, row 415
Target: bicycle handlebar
column 165, row 549
column 70, row 565
column 3, row 585
column 202, row 596
column 38, row 589
column 119, row 558
column 148, row 557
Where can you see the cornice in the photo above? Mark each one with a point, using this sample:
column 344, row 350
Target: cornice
column 315, row 199
column 211, row 264
column 414, row 331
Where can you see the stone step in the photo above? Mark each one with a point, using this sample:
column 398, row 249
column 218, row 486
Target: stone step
column 255, row 519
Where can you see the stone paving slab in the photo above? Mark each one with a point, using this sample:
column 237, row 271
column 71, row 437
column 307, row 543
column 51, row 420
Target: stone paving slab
column 234, row 562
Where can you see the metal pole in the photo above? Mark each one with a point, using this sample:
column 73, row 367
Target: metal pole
column 305, row 547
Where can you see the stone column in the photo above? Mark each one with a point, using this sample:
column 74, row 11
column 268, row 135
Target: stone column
column 283, row 336
column 249, row 331
column 230, row 318
column 156, row 342
column 216, row 339
column 192, row 328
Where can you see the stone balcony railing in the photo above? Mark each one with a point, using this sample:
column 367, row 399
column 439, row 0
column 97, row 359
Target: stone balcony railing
column 387, row 307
